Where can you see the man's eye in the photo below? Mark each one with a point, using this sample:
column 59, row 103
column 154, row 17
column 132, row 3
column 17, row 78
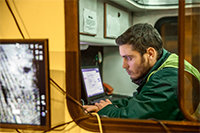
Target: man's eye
column 128, row 58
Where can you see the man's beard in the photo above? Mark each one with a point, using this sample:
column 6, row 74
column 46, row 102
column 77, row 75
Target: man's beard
column 139, row 80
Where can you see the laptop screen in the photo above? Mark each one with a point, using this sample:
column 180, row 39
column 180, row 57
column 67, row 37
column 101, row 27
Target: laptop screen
column 92, row 81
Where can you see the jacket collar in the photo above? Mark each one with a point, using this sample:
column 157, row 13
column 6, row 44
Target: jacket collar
column 162, row 59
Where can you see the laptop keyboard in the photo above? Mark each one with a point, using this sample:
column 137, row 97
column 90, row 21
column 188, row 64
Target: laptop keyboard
column 98, row 100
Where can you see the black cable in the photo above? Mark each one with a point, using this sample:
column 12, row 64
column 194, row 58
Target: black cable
column 162, row 124
column 63, row 124
column 70, row 97
column 7, row 3
column 67, row 95
column 17, row 11
column 18, row 130
column 64, row 92
column 57, row 126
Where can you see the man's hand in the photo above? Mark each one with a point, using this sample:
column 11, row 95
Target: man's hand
column 91, row 108
column 103, row 103
column 97, row 106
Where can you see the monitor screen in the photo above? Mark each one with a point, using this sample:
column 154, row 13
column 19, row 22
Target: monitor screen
column 24, row 84
column 92, row 81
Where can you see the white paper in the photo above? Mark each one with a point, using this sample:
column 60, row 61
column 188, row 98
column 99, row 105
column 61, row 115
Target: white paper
column 90, row 21
column 113, row 26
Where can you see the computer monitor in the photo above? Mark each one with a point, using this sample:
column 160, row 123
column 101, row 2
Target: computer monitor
column 92, row 82
column 24, row 84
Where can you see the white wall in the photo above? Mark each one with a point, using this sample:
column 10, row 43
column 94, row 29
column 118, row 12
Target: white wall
column 152, row 16
column 115, row 75
column 97, row 6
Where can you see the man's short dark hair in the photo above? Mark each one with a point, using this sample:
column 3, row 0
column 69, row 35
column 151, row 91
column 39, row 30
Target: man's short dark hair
column 141, row 36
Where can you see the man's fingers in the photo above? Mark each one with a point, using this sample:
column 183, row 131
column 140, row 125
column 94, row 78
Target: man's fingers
column 90, row 108
column 101, row 101
column 107, row 100
column 97, row 106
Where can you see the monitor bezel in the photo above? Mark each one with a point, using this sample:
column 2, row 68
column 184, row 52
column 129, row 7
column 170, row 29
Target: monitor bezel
column 47, row 84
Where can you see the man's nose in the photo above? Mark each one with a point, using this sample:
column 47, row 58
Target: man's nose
column 124, row 65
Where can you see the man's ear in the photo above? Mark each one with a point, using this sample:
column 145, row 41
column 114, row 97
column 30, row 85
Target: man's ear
column 152, row 54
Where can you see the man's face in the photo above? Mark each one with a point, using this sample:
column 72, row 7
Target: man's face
column 135, row 64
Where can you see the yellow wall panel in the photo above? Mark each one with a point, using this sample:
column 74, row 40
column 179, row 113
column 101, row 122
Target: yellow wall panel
column 42, row 19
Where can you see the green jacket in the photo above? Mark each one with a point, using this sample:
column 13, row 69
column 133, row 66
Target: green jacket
column 156, row 97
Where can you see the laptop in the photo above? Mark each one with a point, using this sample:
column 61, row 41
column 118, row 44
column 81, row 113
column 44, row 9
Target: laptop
column 93, row 85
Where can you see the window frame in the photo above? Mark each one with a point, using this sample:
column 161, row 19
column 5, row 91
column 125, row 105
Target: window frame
column 73, row 85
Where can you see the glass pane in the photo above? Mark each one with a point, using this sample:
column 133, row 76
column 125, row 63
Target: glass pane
column 170, row 37
column 191, row 88
column 168, row 29
column 192, row 55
